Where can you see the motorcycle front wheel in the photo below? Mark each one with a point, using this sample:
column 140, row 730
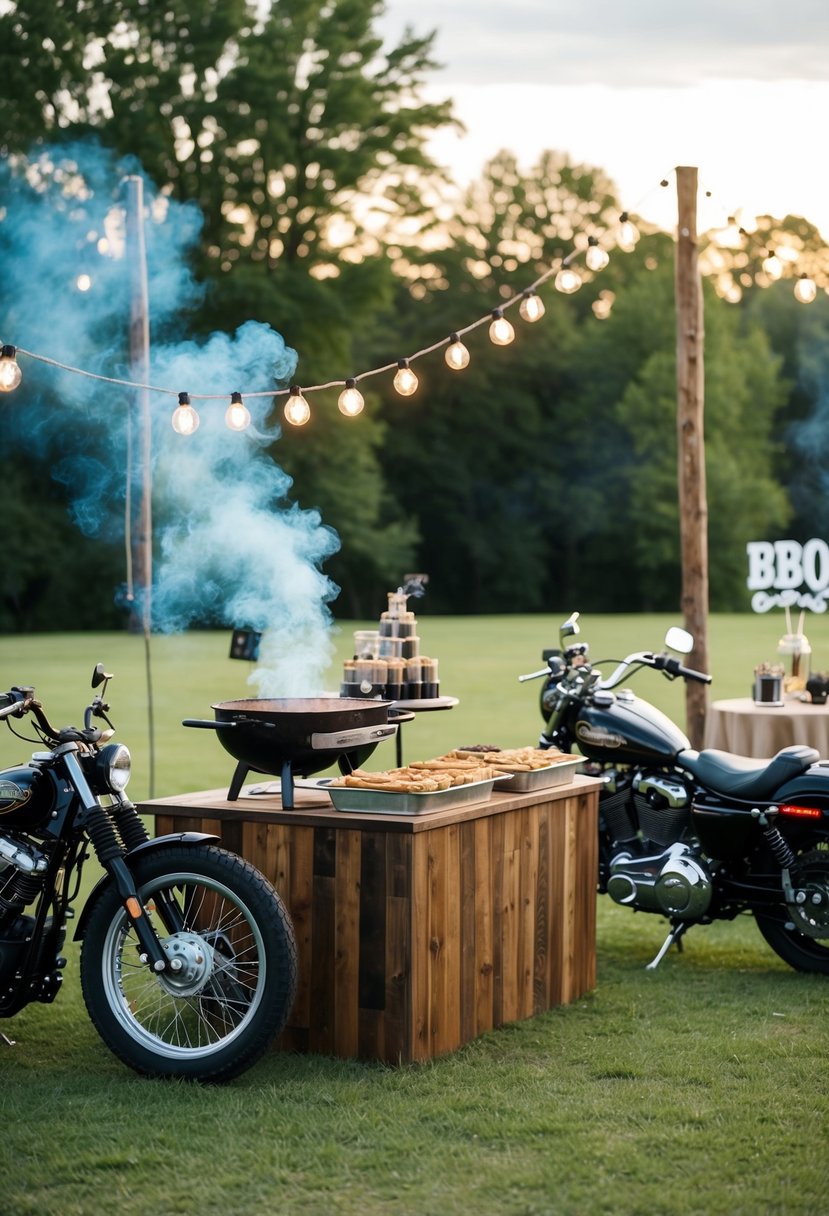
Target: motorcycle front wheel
column 233, row 966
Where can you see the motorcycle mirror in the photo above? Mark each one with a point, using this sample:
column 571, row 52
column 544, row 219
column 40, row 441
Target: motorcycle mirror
column 679, row 640
column 570, row 626
column 99, row 675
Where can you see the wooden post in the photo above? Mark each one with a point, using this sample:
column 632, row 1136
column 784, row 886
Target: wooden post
column 693, row 504
column 142, row 536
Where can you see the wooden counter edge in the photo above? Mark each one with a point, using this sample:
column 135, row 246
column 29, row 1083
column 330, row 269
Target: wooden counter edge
column 213, row 804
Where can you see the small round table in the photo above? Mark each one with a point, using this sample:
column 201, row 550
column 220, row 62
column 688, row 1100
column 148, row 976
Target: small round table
column 747, row 729
column 418, row 706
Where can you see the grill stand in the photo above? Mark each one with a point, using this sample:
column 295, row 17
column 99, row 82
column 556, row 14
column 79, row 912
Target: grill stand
column 286, row 779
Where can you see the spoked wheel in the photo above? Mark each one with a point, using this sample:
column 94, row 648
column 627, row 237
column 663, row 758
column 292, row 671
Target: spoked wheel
column 233, row 966
column 799, row 934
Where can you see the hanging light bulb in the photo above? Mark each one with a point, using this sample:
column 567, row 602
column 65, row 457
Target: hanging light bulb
column 237, row 415
column 596, row 258
column 185, row 419
column 457, row 356
column 628, row 233
column 531, row 307
column 351, row 400
column 500, row 330
column 805, row 289
column 772, row 265
column 297, row 411
column 10, row 373
column 405, row 381
column 568, row 280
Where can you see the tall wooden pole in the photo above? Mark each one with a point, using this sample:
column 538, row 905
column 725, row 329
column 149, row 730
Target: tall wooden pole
column 142, row 534
column 141, row 566
column 693, row 503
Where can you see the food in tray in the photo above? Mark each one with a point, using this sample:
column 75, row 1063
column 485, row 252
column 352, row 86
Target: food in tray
column 420, row 777
column 516, row 759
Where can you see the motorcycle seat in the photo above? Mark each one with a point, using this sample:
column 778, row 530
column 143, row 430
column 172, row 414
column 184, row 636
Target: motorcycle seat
column 744, row 776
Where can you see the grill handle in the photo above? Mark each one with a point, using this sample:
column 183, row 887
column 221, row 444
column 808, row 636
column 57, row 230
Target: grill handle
column 207, row 724
column 357, row 736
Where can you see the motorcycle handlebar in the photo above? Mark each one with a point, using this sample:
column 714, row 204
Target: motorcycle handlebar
column 687, row 673
column 533, row 675
column 14, row 701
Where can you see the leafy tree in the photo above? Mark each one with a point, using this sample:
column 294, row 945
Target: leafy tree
column 292, row 127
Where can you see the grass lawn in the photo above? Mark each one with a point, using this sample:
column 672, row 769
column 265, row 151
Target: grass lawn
column 699, row 1088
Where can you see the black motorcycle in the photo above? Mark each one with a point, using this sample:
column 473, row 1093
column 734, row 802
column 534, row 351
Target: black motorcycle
column 693, row 836
column 188, row 963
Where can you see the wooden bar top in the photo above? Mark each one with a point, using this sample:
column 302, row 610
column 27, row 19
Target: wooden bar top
column 312, row 807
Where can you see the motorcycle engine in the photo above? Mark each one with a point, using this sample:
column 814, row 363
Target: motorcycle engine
column 648, row 805
column 21, row 867
column 675, row 882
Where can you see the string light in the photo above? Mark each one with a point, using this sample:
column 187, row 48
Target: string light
column 805, row 289
column 237, row 415
column 628, row 233
column 350, row 401
column 10, row 373
column 297, row 410
column 596, row 258
column 772, row 265
column 185, row 420
column 457, row 355
column 500, row 330
column 531, row 307
column 405, row 381
column 568, row 280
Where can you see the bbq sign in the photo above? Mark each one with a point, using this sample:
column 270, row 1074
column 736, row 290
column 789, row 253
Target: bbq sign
column 786, row 574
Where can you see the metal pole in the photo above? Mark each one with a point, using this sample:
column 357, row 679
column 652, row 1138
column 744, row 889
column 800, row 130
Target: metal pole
column 693, row 503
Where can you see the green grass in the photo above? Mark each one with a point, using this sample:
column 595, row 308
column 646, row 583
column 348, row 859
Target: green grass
column 700, row 1088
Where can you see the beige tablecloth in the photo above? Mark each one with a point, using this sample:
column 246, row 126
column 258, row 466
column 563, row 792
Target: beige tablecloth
column 747, row 729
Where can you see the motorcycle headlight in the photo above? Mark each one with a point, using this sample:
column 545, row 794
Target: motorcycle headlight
column 113, row 767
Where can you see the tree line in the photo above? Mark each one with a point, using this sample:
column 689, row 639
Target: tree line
column 541, row 477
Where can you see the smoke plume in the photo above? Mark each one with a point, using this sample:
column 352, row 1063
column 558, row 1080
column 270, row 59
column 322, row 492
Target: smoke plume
column 231, row 549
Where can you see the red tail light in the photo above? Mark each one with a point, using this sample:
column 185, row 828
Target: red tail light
column 801, row 812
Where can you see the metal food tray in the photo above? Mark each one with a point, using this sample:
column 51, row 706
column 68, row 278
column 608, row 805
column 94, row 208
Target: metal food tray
column 560, row 773
column 353, row 798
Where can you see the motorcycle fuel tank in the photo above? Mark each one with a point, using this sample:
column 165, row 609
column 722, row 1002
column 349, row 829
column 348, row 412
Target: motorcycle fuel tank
column 628, row 730
column 26, row 797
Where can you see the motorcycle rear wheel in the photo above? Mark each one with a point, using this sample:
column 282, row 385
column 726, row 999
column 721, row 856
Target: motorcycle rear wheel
column 237, row 967
column 778, row 927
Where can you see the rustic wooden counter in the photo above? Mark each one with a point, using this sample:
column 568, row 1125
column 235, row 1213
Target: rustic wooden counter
column 417, row 933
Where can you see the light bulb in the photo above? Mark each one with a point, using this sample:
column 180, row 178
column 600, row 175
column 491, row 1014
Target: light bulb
column 531, row 307
column 457, row 355
column 805, row 289
column 185, row 420
column 237, row 415
column 501, row 331
column 351, row 400
column 628, row 233
column 10, row 373
column 297, row 411
column 596, row 258
column 773, row 266
column 405, row 381
column 568, row 280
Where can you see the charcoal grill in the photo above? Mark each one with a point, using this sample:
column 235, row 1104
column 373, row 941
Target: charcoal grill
column 298, row 736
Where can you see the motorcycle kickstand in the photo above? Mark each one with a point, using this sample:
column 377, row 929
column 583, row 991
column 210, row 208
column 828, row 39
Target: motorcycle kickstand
column 676, row 934
column 9, row 1042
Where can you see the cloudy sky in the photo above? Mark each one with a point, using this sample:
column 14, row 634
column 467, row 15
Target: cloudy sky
column 738, row 88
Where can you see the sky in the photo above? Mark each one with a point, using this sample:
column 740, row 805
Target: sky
column 737, row 88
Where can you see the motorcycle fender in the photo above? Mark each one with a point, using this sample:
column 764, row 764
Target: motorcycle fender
column 149, row 846
column 811, row 786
